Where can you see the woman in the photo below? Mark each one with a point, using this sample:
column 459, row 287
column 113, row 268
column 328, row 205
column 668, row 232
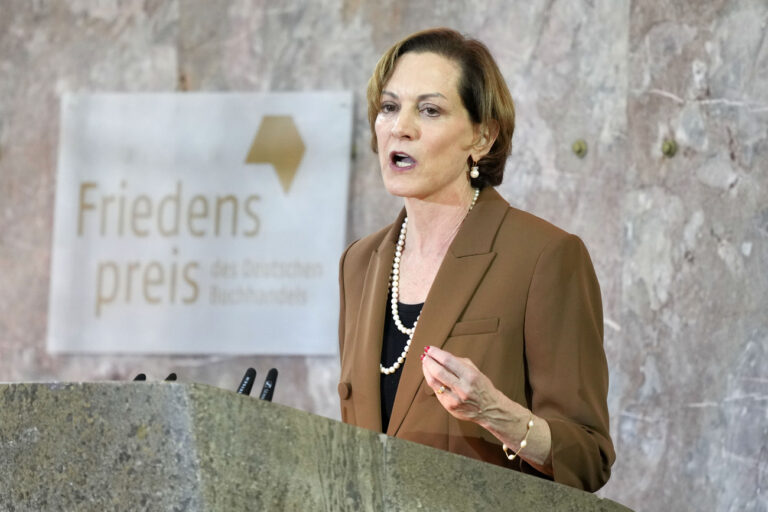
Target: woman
column 469, row 325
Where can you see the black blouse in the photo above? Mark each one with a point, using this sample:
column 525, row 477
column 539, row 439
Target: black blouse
column 392, row 346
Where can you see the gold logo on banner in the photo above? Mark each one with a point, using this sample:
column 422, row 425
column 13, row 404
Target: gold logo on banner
column 279, row 143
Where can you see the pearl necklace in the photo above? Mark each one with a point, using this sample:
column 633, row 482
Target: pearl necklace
column 394, row 286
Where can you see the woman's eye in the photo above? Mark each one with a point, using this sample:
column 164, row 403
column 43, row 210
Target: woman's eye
column 430, row 111
column 387, row 108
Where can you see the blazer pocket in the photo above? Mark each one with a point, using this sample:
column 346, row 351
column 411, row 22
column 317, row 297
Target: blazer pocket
column 482, row 326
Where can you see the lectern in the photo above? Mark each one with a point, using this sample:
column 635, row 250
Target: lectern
column 189, row 447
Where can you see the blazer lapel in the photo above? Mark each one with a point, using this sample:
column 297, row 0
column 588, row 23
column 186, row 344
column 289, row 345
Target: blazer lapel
column 370, row 328
column 456, row 281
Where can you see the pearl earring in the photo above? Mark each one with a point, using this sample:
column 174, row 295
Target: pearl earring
column 474, row 173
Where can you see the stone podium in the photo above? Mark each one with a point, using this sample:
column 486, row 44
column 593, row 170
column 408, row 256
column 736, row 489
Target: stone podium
column 189, row 447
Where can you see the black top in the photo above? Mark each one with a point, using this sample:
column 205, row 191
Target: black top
column 392, row 346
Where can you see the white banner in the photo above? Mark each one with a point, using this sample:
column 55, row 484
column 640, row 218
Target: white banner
column 199, row 223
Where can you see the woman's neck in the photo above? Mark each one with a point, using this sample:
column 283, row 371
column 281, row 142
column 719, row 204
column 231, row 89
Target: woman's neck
column 432, row 224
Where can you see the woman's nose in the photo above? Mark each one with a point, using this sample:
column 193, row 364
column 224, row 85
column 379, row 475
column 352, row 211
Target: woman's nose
column 405, row 126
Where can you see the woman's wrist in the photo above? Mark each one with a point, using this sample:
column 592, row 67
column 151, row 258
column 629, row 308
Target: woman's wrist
column 508, row 421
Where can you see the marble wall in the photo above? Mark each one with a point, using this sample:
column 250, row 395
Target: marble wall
column 679, row 243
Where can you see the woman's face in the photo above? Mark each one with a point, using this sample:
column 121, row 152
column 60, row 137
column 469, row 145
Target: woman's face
column 424, row 132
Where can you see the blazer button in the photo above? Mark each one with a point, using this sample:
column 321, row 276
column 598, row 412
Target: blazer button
column 344, row 390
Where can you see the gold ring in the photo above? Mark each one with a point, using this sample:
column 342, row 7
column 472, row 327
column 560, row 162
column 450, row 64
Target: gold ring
column 441, row 390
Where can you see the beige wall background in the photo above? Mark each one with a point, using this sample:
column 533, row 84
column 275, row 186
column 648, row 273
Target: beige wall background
column 679, row 243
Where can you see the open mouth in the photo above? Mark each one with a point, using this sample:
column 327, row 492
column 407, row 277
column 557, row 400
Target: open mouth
column 401, row 160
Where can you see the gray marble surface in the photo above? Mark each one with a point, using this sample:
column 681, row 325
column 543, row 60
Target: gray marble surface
column 166, row 446
column 679, row 243
column 690, row 386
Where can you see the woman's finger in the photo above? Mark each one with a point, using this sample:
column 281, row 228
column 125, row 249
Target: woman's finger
column 429, row 376
column 441, row 388
column 439, row 372
column 433, row 381
column 458, row 366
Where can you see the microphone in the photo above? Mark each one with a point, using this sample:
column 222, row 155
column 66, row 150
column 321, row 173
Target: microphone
column 269, row 385
column 140, row 377
column 171, row 377
column 247, row 383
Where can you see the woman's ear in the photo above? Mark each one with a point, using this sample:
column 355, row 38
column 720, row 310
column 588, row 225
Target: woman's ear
column 486, row 136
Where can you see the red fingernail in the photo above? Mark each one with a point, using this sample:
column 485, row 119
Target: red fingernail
column 422, row 356
column 426, row 349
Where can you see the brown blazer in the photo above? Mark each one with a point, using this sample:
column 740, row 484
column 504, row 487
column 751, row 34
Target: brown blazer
column 517, row 296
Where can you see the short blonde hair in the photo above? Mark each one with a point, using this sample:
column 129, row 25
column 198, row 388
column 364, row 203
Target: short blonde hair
column 482, row 89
